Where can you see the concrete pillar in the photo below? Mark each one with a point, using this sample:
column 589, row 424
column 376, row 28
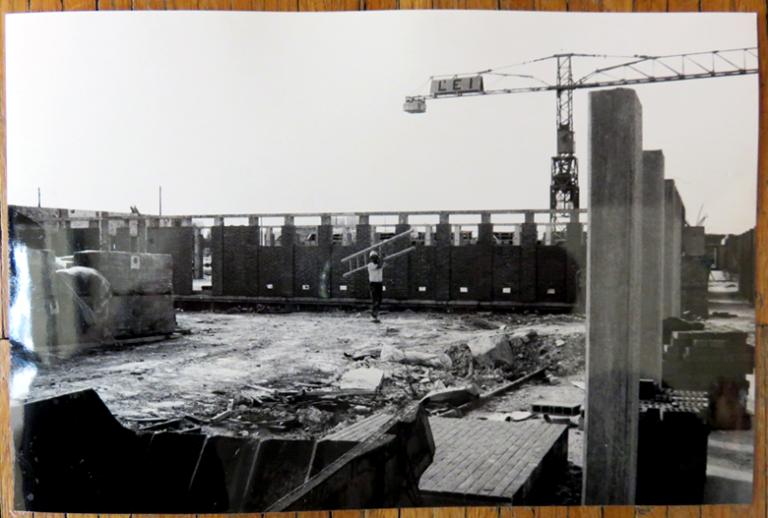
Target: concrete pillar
column 197, row 259
column 253, row 221
column 576, row 264
column 652, row 264
column 673, row 245
column 105, row 240
column 363, row 239
column 443, row 259
column 402, row 219
column 528, row 244
column 694, row 274
column 613, row 298
column 397, row 272
column 325, row 251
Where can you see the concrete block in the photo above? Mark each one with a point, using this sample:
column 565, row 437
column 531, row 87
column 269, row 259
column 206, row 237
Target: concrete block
column 674, row 217
column 652, row 257
column 128, row 273
column 614, row 298
column 694, row 241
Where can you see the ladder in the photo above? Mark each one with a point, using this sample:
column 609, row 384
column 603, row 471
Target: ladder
column 359, row 260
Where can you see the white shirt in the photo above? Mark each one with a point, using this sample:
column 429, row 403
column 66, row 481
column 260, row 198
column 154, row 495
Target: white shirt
column 375, row 273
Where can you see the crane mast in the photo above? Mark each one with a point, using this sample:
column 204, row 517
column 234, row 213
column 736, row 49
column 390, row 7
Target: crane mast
column 632, row 70
column 564, row 184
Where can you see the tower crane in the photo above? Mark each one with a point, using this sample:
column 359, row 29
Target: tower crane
column 623, row 70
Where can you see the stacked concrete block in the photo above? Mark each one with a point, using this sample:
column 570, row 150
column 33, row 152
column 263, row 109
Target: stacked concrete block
column 672, row 448
column 141, row 302
column 716, row 362
column 614, row 297
column 179, row 242
column 695, row 269
column 235, row 252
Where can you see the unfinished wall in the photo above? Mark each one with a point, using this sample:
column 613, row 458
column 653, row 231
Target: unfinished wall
column 440, row 271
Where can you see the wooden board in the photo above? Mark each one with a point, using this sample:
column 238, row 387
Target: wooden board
column 756, row 510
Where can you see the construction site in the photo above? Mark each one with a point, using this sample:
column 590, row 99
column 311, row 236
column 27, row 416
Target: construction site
column 596, row 351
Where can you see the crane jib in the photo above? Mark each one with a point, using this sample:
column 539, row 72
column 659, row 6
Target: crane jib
column 457, row 85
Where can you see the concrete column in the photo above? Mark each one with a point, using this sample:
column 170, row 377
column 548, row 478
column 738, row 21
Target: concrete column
column 253, row 221
column 673, row 245
column 443, row 259
column 363, row 240
column 528, row 244
column 402, row 219
column 325, row 247
column 197, row 256
column 397, row 272
column 652, row 265
column 613, row 298
column 576, row 265
column 105, row 240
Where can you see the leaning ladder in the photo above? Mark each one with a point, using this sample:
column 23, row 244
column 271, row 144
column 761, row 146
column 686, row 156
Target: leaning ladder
column 359, row 260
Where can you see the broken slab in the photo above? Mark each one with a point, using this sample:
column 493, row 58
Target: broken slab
column 453, row 396
column 498, row 350
column 364, row 378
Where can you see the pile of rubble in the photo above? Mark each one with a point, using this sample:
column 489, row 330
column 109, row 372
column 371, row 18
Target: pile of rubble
column 388, row 375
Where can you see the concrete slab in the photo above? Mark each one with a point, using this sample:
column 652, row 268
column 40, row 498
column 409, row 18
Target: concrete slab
column 477, row 460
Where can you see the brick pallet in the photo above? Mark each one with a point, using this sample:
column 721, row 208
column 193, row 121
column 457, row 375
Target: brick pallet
column 716, row 362
column 672, row 448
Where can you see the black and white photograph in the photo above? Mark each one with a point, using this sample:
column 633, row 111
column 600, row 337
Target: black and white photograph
column 266, row 262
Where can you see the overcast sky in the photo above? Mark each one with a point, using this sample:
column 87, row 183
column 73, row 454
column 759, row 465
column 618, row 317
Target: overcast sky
column 267, row 112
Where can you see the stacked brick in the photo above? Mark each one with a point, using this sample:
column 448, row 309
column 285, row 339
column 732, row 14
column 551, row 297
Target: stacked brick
column 672, row 448
column 716, row 362
column 695, row 273
column 141, row 302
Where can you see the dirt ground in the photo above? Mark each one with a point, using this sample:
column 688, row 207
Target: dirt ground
column 260, row 374
column 278, row 374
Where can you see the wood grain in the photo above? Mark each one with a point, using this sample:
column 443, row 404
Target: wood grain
column 517, row 512
column 650, row 512
column 449, row 512
column 682, row 5
column 377, row 513
column 517, row 5
column 552, row 512
column 584, row 5
column 691, row 511
column 717, row 5
column 651, row 5
column 585, row 512
column 724, row 511
column 618, row 511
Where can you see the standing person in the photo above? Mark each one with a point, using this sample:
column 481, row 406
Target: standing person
column 375, row 280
